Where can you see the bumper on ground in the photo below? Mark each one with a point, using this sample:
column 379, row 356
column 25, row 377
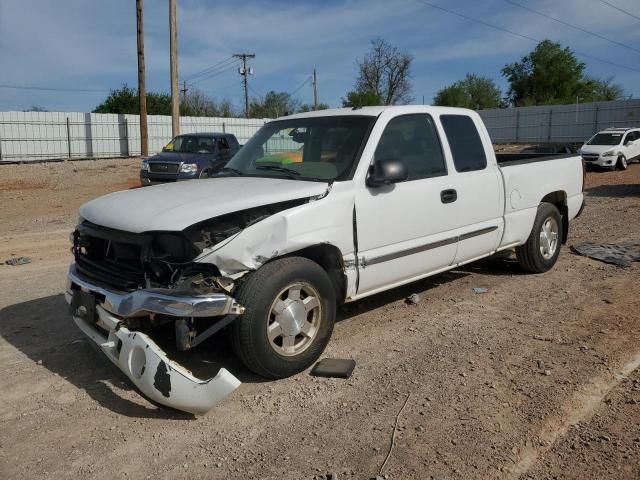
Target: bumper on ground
column 139, row 357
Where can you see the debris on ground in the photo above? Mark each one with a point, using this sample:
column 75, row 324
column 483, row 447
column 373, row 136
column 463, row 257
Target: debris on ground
column 479, row 290
column 17, row 261
column 622, row 254
column 334, row 368
column 413, row 299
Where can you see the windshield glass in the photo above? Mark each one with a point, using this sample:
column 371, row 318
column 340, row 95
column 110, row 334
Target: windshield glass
column 191, row 144
column 319, row 149
column 606, row 139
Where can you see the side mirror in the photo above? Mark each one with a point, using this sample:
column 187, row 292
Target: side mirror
column 386, row 172
column 165, row 149
column 630, row 142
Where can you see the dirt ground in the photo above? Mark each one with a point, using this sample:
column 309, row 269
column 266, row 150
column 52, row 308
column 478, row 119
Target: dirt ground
column 536, row 379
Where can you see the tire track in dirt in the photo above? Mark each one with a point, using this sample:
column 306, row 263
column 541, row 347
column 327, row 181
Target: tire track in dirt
column 581, row 407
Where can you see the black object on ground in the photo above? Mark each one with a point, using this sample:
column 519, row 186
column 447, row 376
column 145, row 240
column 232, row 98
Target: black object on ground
column 622, row 254
column 18, row 261
column 334, row 368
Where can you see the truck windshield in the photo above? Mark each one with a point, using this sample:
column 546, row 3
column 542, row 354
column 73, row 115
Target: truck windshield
column 191, row 144
column 318, row 149
column 606, row 139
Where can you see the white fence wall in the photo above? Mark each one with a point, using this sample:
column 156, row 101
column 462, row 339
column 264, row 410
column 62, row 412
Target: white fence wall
column 28, row 136
column 559, row 123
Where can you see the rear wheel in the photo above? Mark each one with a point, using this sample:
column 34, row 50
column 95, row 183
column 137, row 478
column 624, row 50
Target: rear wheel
column 541, row 251
column 289, row 315
column 622, row 163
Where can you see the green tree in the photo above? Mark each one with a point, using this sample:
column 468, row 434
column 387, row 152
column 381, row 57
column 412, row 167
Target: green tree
column 550, row 75
column 273, row 105
column 309, row 108
column 197, row 103
column 604, row 90
column 357, row 99
column 125, row 100
column 472, row 92
column 385, row 70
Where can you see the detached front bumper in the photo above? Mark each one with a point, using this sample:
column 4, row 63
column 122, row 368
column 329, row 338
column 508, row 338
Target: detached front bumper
column 136, row 354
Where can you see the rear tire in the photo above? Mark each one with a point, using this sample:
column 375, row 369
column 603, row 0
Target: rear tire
column 621, row 164
column 541, row 251
column 290, row 309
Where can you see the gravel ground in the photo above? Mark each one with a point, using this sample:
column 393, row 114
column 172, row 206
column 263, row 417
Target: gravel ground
column 535, row 379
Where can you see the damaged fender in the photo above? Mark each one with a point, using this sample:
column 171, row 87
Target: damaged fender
column 290, row 231
column 152, row 372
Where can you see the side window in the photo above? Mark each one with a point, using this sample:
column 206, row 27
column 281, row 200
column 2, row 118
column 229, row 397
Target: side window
column 464, row 140
column 222, row 143
column 413, row 139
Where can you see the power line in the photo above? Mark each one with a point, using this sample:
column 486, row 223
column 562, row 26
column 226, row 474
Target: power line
column 524, row 7
column 214, row 71
column 301, row 85
column 251, row 89
column 214, row 74
column 527, row 37
column 54, row 89
column 620, row 9
column 209, row 68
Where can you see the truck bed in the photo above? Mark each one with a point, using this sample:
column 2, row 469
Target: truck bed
column 508, row 159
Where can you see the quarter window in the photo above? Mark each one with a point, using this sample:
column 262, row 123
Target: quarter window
column 413, row 140
column 464, row 141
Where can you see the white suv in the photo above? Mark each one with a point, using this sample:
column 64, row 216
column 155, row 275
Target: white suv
column 613, row 148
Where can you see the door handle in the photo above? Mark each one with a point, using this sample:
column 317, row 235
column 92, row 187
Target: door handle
column 448, row 196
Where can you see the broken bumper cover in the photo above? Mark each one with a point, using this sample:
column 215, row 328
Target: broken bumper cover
column 140, row 358
column 158, row 300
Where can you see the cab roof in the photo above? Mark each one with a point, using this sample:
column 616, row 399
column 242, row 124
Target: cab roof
column 376, row 111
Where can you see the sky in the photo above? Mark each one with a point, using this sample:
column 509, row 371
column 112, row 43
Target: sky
column 81, row 49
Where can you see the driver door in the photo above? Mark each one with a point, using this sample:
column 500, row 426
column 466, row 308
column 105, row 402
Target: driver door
column 404, row 229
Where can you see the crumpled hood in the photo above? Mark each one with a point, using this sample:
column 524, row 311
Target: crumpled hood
column 176, row 206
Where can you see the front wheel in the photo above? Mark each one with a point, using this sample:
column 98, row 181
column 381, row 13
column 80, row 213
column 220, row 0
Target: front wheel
column 622, row 163
column 541, row 251
column 290, row 307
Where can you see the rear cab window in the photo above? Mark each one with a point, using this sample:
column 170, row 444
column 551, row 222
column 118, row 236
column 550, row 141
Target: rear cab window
column 465, row 143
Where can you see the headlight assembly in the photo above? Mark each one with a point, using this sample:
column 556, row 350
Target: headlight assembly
column 189, row 168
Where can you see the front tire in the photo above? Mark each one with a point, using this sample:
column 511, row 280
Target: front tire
column 621, row 164
column 541, row 251
column 290, row 308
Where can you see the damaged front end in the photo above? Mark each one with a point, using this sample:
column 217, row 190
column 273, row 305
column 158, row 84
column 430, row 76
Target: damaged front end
column 124, row 289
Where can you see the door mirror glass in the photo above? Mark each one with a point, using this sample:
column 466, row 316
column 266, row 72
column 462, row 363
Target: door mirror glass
column 386, row 172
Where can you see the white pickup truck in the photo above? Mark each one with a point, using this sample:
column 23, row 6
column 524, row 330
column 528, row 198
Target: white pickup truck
column 317, row 209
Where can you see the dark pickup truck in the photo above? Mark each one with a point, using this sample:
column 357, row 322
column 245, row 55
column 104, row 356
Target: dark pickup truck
column 189, row 156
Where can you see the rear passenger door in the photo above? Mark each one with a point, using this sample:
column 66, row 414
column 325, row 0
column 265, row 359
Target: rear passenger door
column 404, row 230
column 479, row 205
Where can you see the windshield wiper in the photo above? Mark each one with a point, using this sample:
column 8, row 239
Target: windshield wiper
column 277, row 168
column 232, row 170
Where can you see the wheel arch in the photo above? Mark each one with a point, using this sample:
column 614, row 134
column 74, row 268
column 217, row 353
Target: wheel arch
column 329, row 257
column 559, row 199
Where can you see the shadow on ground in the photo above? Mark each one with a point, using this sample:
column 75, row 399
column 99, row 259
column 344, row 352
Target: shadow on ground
column 614, row 191
column 43, row 330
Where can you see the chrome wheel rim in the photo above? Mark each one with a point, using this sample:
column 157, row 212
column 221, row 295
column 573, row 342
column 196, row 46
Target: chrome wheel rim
column 549, row 238
column 294, row 319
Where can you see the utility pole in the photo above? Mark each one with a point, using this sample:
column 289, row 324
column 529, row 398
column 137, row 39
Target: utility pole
column 142, row 91
column 315, row 90
column 245, row 72
column 173, row 60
